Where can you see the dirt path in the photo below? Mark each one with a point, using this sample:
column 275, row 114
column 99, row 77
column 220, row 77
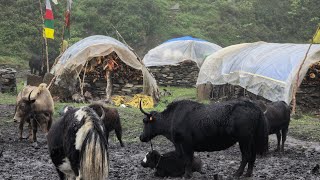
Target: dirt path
column 20, row 160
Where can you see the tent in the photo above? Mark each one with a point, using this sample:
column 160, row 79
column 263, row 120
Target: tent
column 266, row 69
column 177, row 50
column 71, row 62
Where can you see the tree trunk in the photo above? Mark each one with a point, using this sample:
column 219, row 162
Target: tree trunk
column 109, row 86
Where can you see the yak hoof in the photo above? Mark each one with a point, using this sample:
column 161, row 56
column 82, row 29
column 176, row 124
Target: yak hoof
column 248, row 174
column 237, row 174
column 122, row 145
column 187, row 175
column 35, row 144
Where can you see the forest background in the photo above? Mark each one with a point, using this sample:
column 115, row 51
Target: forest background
column 145, row 24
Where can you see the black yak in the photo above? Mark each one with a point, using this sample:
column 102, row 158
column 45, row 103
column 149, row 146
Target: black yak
column 278, row 116
column 169, row 164
column 78, row 147
column 192, row 126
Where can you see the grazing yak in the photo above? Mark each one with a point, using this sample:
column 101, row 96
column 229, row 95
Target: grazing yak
column 278, row 116
column 192, row 126
column 169, row 164
column 111, row 121
column 78, row 147
column 35, row 106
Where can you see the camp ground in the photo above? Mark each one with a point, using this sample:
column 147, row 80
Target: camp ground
column 140, row 90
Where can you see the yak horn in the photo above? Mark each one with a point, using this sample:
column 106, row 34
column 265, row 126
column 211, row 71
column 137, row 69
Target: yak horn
column 143, row 110
column 30, row 95
column 103, row 115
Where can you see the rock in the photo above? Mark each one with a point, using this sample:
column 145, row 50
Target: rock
column 88, row 95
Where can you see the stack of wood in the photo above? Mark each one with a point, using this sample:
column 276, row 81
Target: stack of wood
column 308, row 95
column 185, row 74
column 8, row 80
column 125, row 80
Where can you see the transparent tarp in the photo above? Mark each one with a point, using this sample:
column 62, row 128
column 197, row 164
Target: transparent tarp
column 177, row 50
column 75, row 57
column 266, row 69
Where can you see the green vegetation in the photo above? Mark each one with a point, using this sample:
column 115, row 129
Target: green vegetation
column 144, row 23
column 306, row 127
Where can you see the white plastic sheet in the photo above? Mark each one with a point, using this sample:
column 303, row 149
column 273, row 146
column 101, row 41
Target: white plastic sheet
column 266, row 69
column 75, row 57
column 174, row 51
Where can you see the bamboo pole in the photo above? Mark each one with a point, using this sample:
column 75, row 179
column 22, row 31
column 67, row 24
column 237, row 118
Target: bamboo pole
column 45, row 39
column 296, row 85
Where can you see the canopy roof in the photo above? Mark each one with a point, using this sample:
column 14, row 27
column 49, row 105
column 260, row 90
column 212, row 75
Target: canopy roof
column 176, row 50
column 266, row 69
column 71, row 62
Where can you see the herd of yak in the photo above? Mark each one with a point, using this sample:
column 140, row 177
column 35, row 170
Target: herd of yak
column 78, row 141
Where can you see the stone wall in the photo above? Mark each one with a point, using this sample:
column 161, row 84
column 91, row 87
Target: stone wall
column 8, row 80
column 184, row 75
column 308, row 95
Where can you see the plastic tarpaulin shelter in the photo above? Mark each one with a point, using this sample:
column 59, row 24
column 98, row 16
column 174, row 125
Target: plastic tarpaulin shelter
column 266, row 69
column 177, row 50
column 71, row 62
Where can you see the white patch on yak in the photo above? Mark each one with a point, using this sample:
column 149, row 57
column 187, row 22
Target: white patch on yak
column 66, row 109
column 82, row 134
column 80, row 114
column 65, row 167
column 145, row 158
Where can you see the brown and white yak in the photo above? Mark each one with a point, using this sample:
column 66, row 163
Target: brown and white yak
column 78, row 147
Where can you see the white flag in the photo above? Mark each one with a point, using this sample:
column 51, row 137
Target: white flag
column 55, row 1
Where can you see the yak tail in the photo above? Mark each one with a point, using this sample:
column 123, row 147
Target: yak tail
column 94, row 155
column 262, row 135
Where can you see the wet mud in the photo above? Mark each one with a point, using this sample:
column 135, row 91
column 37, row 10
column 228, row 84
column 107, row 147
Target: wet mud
column 21, row 160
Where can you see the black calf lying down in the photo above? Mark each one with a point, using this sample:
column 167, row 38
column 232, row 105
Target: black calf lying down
column 169, row 164
column 278, row 116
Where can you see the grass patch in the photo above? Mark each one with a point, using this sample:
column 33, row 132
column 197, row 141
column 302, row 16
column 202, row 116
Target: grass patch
column 13, row 62
column 306, row 128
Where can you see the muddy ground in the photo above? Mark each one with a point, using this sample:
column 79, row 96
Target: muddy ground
column 21, row 160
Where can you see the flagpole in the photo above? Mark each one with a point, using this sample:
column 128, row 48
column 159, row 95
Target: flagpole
column 45, row 39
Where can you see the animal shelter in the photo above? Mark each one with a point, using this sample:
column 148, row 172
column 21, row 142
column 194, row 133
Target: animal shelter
column 176, row 62
column 268, row 70
column 100, row 66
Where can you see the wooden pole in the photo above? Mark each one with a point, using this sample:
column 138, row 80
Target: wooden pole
column 45, row 39
column 296, row 85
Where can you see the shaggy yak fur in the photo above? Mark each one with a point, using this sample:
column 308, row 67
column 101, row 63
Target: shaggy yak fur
column 78, row 147
column 192, row 126
column 111, row 121
column 36, row 109
column 169, row 164
column 278, row 116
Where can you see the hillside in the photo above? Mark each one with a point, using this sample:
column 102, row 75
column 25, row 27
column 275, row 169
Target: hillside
column 144, row 24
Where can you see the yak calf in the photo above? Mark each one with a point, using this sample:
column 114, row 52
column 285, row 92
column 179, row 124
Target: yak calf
column 169, row 164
